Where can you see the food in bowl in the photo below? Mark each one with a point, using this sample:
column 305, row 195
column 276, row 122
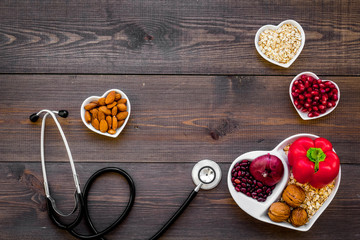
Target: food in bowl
column 282, row 44
column 257, row 179
column 108, row 113
column 314, row 96
column 305, row 198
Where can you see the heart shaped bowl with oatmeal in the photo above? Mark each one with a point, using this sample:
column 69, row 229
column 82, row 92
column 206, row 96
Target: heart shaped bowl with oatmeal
column 281, row 44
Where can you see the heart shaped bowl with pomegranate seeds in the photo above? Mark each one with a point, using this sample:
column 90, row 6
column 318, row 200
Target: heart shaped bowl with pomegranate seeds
column 312, row 97
column 259, row 210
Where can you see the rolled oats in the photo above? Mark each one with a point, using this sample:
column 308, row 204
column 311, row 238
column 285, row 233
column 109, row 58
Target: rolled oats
column 282, row 44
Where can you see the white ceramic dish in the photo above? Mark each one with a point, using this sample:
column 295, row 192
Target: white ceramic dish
column 93, row 98
column 259, row 210
column 273, row 27
column 304, row 115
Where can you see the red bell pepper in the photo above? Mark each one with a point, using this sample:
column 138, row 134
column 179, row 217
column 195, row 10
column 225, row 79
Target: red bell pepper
column 313, row 161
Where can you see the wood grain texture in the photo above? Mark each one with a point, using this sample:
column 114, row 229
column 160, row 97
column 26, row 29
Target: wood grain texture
column 172, row 37
column 212, row 215
column 173, row 118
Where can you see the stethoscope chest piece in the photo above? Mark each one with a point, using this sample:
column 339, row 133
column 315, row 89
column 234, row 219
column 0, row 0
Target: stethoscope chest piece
column 207, row 173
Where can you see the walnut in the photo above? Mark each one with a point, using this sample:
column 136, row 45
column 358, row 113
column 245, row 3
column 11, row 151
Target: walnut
column 293, row 195
column 298, row 217
column 279, row 212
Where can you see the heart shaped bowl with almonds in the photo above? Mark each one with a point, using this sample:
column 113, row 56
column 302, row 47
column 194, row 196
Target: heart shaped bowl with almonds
column 107, row 114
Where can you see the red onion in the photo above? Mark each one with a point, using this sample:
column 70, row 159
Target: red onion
column 267, row 169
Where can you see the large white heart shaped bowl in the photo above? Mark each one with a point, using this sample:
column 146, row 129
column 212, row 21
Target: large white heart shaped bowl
column 93, row 98
column 259, row 210
column 273, row 27
column 304, row 115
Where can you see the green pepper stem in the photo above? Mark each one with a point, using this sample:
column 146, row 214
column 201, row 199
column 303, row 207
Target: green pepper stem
column 316, row 155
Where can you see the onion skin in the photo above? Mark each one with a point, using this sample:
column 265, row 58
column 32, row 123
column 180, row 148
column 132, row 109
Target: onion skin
column 268, row 169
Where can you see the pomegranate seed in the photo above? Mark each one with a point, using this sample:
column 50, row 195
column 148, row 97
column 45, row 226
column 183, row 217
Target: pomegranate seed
column 310, row 78
column 308, row 95
column 315, row 86
column 316, row 98
column 301, row 97
column 335, row 97
column 310, row 114
column 329, row 105
column 316, row 113
column 321, row 85
column 309, row 100
column 322, row 107
column 315, row 108
column 314, row 93
column 328, row 83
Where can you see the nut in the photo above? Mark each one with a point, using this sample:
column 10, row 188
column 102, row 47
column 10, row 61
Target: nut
column 87, row 116
column 104, row 114
column 298, row 217
column 110, row 98
column 279, row 212
column 103, row 126
column 293, row 195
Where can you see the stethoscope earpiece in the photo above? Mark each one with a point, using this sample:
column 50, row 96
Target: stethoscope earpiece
column 62, row 113
column 34, row 117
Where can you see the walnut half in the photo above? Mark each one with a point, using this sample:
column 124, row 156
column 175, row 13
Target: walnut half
column 279, row 212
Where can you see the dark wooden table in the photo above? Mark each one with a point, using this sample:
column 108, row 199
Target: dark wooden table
column 198, row 89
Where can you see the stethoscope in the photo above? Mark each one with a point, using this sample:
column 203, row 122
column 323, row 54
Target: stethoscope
column 206, row 174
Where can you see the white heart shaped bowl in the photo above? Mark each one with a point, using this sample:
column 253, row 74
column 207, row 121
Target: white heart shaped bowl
column 93, row 98
column 273, row 27
column 304, row 115
column 259, row 210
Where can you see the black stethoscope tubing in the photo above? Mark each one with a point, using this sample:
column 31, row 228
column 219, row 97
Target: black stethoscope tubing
column 84, row 212
column 81, row 198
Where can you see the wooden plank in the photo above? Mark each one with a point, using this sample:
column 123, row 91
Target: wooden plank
column 172, row 37
column 161, row 188
column 173, row 118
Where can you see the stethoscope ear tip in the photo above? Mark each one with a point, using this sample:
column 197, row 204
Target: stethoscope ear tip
column 34, row 117
column 63, row 113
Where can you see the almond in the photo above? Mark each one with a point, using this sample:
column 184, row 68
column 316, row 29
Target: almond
column 95, row 123
column 109, row 121
column 120, row 123
column 102, row 101
column 101, row 116
column 110, row 106
column 103, row 126
column 117, row 96
column 123, row 100
column 87, row 116
column 110, row 98
column 122, row 107
column 90, row 106
column 112, row 131
column 114, row 111
column 122, row 115
column 114, row 123
column 105, row 110
column 94, row 113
